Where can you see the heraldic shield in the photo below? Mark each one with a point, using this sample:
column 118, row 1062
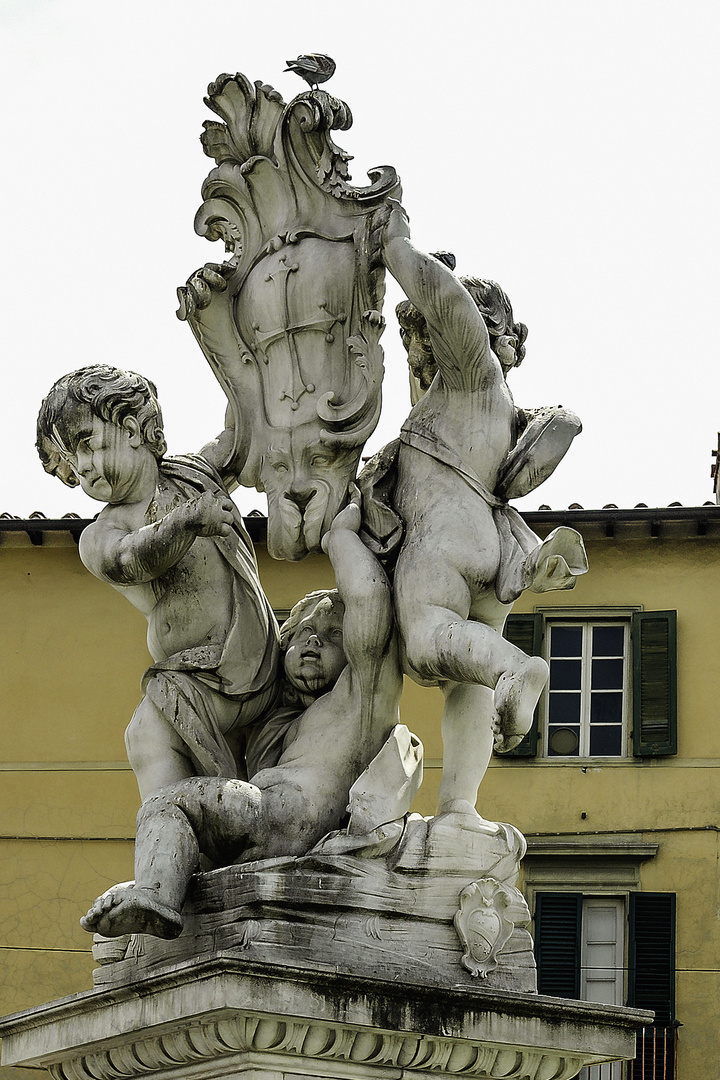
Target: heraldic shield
column 291, row 323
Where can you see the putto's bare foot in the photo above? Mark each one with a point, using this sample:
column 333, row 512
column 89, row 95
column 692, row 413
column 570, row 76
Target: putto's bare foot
column 516, row 696
column 462, row 814
column 125, row 909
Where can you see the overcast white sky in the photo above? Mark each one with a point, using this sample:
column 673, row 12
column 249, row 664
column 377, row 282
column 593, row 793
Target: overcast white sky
column 566, row 148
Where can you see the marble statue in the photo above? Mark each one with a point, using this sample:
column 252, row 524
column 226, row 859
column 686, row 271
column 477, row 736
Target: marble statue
column 291, row 323
column 254, row 743
column 341, row 660
column 466, row 555
column 172, row 541
column 289, row 910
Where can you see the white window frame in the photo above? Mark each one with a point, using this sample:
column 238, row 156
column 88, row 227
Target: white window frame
column 588, row 617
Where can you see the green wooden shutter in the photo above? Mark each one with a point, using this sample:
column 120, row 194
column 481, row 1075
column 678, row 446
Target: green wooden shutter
column 525, row 631
column 651, row 956
column 558, row 922
column 654, row 635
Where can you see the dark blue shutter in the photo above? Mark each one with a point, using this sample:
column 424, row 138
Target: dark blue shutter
column 654, row 640
column 558, row 922
column 525, row 632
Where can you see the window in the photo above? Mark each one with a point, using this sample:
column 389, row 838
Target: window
column 613, row 950
column 612, row 686
column 585, row 702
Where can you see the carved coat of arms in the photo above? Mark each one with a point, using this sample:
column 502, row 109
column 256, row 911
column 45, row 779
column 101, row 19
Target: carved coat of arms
column 291, row 323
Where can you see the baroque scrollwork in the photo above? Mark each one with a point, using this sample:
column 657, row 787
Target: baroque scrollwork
column 291, row 323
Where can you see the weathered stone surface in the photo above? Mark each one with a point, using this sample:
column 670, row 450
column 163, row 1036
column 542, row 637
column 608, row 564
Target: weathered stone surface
column 253, row 744
column 227, row 1016
column 439, row 906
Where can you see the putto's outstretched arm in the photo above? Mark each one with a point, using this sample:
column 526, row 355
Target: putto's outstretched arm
column 364, row 590
column 134, row 558
column 206, row 304
column 458, row 333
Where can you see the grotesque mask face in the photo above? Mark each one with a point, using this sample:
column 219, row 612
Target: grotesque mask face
column 315, row 656
column 306, row 483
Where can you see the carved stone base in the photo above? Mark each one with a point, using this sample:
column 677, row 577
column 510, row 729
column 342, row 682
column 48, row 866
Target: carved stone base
column 439, row 907
column 224, row 1017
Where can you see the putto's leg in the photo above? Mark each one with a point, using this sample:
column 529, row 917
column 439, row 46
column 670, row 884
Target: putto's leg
column 516, row 695
column 207, row 814
column 467, row 745
column 156, row 752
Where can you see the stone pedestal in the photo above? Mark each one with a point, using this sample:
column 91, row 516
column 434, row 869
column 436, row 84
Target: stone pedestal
column 226, row 1016
column 440, row 908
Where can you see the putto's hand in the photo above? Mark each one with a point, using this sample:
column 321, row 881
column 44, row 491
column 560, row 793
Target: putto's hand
column 202, row 286
column 349, row 519
column 209, row 515
column 398, row 226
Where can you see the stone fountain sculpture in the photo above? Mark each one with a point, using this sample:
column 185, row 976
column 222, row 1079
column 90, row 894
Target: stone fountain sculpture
column 288, row 908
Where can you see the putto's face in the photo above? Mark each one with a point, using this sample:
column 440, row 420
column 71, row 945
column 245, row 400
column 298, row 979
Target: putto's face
column 106, row 459
column 315, row 656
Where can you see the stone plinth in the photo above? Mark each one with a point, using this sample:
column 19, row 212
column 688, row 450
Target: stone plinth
column 441, row 908
column 225, row 1016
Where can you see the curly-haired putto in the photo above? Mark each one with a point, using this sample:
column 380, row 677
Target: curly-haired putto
column 102, row 391
column 326, row 599
column 494, row 306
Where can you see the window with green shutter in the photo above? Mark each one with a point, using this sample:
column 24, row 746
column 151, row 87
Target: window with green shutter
column 582, row 951
column 526, row 632
column 654, row 642
column 651, row 962
column 558, row 923
column 613, row 684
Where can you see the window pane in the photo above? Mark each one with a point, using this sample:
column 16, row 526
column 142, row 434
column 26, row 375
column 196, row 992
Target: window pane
column 608, row 640
column 564, row 709
column 606, row 674
column 606, row 741
column 563, row 742
column 566, row 641
column 606, row 709
column 565, row 674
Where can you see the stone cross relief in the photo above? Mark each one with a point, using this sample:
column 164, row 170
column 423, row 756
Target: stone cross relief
column 324, row 323
column 255, row 742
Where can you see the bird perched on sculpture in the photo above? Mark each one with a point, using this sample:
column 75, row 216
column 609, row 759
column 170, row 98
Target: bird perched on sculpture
column 314, row 68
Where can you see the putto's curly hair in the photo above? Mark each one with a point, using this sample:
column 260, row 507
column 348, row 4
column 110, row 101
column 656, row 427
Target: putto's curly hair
column 493, row 304
column 103, row 391
column 327, row 597
column 496, row 310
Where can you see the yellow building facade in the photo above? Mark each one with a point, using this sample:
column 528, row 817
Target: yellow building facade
column 623, row 865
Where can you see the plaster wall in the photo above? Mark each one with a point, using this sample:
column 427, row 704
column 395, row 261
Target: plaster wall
column 72, row 653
